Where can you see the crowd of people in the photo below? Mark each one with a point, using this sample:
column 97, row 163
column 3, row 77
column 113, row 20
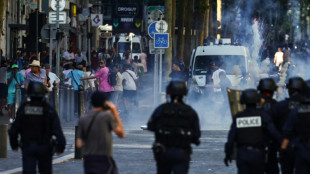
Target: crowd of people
column 119, row 78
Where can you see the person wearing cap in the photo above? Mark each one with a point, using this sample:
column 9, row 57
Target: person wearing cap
column 36, row 74
column 15, row 79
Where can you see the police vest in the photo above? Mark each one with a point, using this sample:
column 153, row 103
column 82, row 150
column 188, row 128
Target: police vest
column 36, row 124
column 249, row 128
column 174, row 127
column 303, row 123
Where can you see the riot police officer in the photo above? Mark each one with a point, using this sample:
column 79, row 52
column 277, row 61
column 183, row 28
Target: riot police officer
column 249, row 130
column 297, row 130
column 266, row 88
column 36, row 122
column 176, row 126
column 279, row 113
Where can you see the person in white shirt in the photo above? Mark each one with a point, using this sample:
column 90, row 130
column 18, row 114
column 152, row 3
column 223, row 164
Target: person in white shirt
column 129, row 86
column 52, row 78
column 278, row 59
column 80, row 58
column 63, row 75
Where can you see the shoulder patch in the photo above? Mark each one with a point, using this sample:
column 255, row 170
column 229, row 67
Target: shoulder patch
column 248, row 122
column 34, row 110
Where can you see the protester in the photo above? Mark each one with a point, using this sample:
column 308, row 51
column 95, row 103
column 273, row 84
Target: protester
column 94, row 135
column 75, row 75
column 143, row 58
column 36, row 74
column 130, row 88
column 278, row 59
column 118, row 88
column 103, row 75
column 80, row 58
column 14, row 79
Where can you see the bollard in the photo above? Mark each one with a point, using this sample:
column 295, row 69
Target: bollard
column 67, row 104
column 56, row 98
column 71, row 103
column 77, row 151
column 61, row 103
column 17, row 99
column 3, row 141
column 81, row 101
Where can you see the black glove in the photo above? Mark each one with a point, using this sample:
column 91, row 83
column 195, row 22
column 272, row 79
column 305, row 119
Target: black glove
column 227, row 159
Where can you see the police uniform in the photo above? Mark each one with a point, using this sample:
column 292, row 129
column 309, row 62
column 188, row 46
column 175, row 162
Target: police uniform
column 176, row 126
column 297, row 129
column 279, row 114
column 249, row 131
column 36, row 122
column 267, row 86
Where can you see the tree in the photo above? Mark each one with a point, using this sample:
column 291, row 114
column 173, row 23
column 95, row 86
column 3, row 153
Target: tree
column 180, row 45
column 188, row 31
column 168, row 51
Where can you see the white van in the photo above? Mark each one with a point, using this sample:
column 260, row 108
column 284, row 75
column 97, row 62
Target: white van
column 123, row 45
column 234, row 58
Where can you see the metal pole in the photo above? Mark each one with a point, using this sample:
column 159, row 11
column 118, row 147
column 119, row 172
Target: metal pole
column 160, row 71
column 57, row 42
column 37, row 32
column 88, row 41
column 77, row 151
column 51, row 48
column 81, row 101
column 155, row 79
column 3, row 141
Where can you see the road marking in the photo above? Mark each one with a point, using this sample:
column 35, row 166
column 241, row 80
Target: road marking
column 55, row 161
column 138, row 146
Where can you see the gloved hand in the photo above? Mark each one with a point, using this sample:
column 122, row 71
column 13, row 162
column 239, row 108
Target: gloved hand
column 227, row 159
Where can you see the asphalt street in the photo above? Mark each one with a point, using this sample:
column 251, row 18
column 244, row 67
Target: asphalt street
column 133, row 154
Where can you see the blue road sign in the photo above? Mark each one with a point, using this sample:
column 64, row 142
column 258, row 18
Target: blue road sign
column 152, row 30
column 161, row 40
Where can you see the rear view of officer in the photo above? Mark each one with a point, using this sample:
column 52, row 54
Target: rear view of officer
column 249, row 130
column 176, row 126
column 36, row 122
column 266, row 88
column 297, row 131
column 279, row 114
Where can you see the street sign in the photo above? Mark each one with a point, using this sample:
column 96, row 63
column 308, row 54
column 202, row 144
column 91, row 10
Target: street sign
column 152, row 30
column 96, row 19
column 62, row 4
column 106, row 35
column 105, row 27
column 161, row 40
column 161, row 26
column 155, row 15
column 52, row 17
column 48, row 32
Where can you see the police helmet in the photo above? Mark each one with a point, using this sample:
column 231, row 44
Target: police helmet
column 249, row 96
column 176, row 88
column 267, row 84
column 36, row 90
column 296, row 83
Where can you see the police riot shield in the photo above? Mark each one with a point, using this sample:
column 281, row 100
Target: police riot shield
column 17, row 100
column 234, row 101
